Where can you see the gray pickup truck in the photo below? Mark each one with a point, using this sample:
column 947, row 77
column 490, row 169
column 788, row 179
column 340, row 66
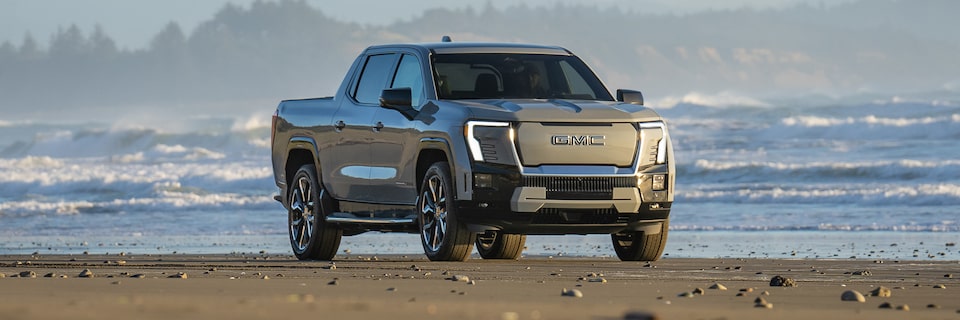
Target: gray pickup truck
column 469, row 143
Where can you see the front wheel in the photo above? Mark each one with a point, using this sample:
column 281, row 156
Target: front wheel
column 443, row 237
column 496, row 245
column 311, row 236
column 638, row 246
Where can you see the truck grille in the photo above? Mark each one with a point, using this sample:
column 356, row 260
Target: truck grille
column 602, row 144
column 579, row 188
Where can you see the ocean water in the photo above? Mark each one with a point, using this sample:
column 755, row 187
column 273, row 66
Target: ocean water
column 772, row 174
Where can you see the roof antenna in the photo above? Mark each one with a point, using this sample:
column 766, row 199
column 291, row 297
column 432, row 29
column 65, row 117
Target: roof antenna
column 445, row 39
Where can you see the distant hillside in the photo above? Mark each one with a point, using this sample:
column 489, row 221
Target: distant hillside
column 288, row 49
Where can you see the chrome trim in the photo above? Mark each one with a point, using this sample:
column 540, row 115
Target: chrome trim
column 370, row 220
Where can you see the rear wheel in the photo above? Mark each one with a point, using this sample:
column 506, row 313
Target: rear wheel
column 311, row 236
column 443, row 237
column 496, row 245
column 639, row 246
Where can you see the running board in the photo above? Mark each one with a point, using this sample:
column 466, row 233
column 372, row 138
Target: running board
column 370, row 220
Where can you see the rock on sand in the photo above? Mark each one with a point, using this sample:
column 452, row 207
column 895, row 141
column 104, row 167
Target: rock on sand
column 571, row 293
column 882, row 292
column 852, row 295
column 780, row 281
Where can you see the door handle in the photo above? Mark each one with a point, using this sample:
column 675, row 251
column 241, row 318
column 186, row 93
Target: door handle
column 378, row 127
column 339, row 125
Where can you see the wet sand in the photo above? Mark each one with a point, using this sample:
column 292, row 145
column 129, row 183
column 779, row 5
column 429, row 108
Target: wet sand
column 410, row 287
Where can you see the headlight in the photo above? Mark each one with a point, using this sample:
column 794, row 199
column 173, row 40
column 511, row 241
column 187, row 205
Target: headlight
column 662, row 146
column 484, row 143
column 661, row 157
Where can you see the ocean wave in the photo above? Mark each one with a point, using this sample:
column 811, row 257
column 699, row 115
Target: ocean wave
column 759, row 171
column 719, row 100
column 170, row 201
column 95, row 142
column 945, row 227
column 870, row 120
column 934, row 194
column 89, row 179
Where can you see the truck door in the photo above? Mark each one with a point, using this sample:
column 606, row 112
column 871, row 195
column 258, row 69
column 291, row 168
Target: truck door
column 393, row 162
column 349, row 176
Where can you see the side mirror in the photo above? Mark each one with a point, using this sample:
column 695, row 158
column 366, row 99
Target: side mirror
column 398, row 99
column 630, row 96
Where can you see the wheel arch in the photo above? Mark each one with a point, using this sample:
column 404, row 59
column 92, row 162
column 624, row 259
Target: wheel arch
column 432, row 150
column 301, row 151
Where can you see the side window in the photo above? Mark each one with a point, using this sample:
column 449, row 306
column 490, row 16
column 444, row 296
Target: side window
column 374, row 78
column 409, row 76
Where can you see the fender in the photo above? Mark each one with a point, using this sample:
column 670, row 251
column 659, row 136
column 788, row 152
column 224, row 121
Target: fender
column 297, row 143
column 460, row 165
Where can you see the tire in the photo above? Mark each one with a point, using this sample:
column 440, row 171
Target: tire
column 443, row 237
column 637, row 246
column 496, row 245
column 311, row 237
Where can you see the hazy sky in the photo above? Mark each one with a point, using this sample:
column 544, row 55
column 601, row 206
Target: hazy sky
column 133, row 22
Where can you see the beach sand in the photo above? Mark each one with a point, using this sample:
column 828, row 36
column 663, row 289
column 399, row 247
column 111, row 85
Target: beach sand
column 410, row 287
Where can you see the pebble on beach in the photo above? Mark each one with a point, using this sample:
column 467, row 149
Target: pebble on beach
column 718, row 286
column 86, row 273
column 882, row 292
column 852, row 295
column 765, row 305
column 571, row 293
column 780, row 281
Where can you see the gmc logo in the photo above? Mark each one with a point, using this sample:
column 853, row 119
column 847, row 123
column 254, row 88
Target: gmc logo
column 571, row 140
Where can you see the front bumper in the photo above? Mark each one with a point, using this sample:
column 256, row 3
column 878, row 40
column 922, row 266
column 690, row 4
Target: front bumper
column 564, row 204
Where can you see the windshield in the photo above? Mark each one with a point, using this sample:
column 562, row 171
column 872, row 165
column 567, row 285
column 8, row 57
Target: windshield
column 515, row 76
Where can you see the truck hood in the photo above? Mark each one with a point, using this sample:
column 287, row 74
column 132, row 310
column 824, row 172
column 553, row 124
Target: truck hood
column 553, row 110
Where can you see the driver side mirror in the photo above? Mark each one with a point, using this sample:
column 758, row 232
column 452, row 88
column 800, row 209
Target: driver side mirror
column 399, row 99
column 630, row 96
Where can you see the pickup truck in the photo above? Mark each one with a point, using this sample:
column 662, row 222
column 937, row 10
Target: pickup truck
column 467, row 143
